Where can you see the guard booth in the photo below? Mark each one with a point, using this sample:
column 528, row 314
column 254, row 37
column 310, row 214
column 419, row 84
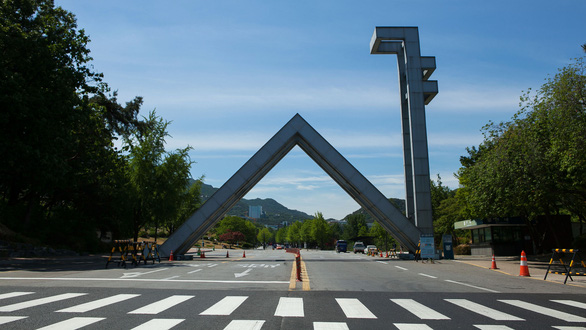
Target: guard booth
column 498, row 236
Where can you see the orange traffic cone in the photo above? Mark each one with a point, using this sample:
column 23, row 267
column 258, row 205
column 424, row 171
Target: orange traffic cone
column 227, row 255
column 243, row 254
column 203, row 254
column 493, row 266
column 524, row 271
column 171, row 256
column 381, row 254
column 387, row 254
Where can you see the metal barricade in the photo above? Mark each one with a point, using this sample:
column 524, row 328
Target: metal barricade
column 569, row 267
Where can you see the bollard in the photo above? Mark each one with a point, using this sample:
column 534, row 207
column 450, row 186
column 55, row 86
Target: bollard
column 298, row 261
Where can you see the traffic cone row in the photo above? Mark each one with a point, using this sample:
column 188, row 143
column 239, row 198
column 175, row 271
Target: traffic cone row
column 524, row 271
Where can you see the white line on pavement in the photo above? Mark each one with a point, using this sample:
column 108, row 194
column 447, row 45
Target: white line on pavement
column 98, row 303
column 483, row 310
column 225, row 306
column 290, row 307
column 472, row 286
column 41, row 301
column 159, row 324
column 73, row 323
column 427, row 275
column 161, row 305
column 93, row 279
column 401, row 268
column 245, row 325
column 354, row 309
column 421, row 311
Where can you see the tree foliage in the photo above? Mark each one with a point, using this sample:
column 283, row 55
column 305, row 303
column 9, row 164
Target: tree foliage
column 534, row 164
column 61, row 176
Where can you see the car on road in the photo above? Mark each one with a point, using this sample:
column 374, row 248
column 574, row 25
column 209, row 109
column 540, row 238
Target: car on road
column 359, row 247
column 341, row 246
column 371, row 249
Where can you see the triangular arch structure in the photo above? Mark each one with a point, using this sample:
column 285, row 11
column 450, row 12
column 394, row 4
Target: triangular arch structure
column 296, row 132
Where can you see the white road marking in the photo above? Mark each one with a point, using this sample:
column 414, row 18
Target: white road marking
column 161, row 305
column 290, row 307
column 401, row 268
column 354, row 309
column 225, row 306
column 170, row 278
column 98, row 303
column 492, row 327
column 244, row 273
column 412, row 326
column 421, row 311
column 8, row 319
column 159, row 324
column 14, row 294
column 330, row 326
column 73, row 323
column 561, row 327
column 473, row 286
column 212, row 265
column 383, row 262
column 427, row 275
column 483, row 310
column 97, row 279
column 245, row 325
column 37, row 302
column 571, row 303
column 194, row 271
column 545, row 311
column 135, row 274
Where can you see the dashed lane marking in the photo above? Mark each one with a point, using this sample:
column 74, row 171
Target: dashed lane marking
column 473, row 286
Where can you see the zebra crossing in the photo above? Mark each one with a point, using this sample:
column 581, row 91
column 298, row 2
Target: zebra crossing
column 501, row 310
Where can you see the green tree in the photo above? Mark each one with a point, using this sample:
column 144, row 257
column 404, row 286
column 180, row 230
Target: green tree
column 281, row 235
column 320, row 231
column 264, row 236
column 382, row 238
column 534, row 164
column 356, row 227
column 234, row 223
column 294, row 233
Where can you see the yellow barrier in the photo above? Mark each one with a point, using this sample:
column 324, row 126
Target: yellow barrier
column 573, row 264
column 129, row 250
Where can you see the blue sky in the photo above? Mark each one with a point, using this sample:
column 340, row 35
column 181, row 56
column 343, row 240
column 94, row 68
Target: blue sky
column 230, row 74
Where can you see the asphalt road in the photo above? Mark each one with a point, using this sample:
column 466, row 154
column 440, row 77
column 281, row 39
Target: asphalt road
column 338, row 291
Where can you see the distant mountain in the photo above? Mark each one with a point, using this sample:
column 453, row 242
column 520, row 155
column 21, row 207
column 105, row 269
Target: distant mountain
column 273, row 212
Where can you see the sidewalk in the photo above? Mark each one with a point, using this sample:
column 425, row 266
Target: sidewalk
column 537, row 267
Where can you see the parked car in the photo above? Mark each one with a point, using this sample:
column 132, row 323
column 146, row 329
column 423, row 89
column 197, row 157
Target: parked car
column 371, row 249
column 359, row 247
column 341, row 246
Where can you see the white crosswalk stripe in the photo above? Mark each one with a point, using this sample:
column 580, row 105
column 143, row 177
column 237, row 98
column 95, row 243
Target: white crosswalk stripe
column 545, row 311
column 245, row 325
column 8, row 319
column 161, row 305
column 412, row 326
column 483, row 310
column 225, row 306
column 98, row 303
column 13, row 294
column 354, row 309
column 421, row 311
column 330, row 326
column 38, row 302
column 571, row 303
column 290, row 307
column 159, row 324
column 73, row 323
